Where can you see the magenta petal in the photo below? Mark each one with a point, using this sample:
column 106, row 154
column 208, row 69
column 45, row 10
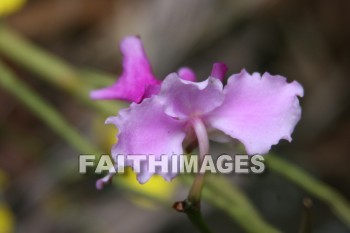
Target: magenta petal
column 258, row 111
column 187, row 74
column 136, row 77
column 219, row 70
column 184, row 99
column 145, row 129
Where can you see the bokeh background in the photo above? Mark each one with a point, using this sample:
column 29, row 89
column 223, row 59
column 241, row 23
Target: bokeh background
column 304, row 40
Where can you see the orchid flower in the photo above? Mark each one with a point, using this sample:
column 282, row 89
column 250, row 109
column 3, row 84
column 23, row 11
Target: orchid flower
column 258, row 110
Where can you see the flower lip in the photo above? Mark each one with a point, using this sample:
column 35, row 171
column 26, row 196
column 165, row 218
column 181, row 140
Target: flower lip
column 184, row 99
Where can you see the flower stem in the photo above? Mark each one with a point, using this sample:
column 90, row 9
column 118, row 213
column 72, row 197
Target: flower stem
column 48, row 114
column 194, row 195
column 50, row 68
column 192, row 205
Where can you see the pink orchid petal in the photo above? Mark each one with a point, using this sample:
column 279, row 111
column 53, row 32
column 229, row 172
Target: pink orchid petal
column 258, row 111
column 219, row 70
column 136, row 77
column 145, row 129
column 187, row 74
column 184, row 99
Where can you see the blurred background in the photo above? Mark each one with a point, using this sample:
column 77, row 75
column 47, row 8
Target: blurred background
column 304, row 40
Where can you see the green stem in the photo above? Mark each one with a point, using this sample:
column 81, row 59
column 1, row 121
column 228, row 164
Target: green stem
column 50, row 68
column 97, row 79
column 339, row 205
column 48, row 114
